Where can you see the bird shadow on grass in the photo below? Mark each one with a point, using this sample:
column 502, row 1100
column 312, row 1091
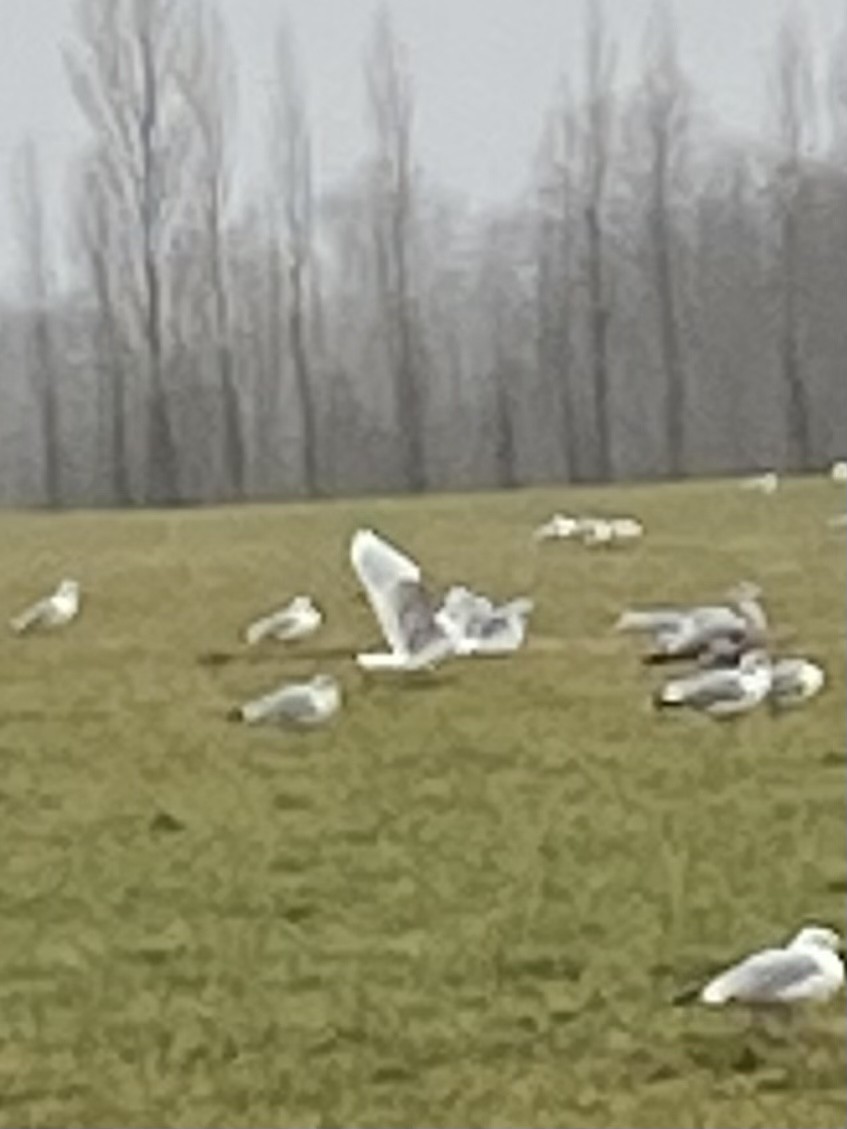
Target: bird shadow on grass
column 834, row 759
column 405, row 680
column 747, row 1053
column 261, row 656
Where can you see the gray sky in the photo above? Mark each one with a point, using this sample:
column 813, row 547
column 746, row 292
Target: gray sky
column 485, row 72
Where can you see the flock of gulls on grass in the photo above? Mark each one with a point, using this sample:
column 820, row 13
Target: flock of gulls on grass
column 729, row 644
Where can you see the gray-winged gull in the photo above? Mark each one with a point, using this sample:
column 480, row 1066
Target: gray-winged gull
column 53, row 611
column 560, row 527
column 807, row 970
column 722, row 692
column 297, row 703
column 652, row 621
column 484, row 629
column 403, row 608
column 708, row 630
column 298, row 619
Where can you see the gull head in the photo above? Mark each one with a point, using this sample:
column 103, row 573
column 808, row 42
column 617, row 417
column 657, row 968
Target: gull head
column 68, row 588
column 744, row 590
column 818, row 937
column 324, row 682
column 301, row 604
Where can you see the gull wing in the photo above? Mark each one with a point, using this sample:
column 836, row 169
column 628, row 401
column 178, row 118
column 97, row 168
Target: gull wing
column 380, row 569
column 415, row 611
column 31, row 616
column 771, row 976
column 295, row 703
column 706, row 689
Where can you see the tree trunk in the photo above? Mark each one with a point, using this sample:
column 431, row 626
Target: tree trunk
column 303, row 379
column 799, row 438
column 162, row 464
column 599, row 348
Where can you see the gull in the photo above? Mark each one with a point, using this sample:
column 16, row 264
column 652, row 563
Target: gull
column 766, row 483
column 839, row 521
column 794, row 681
column 650, row 621
column 721, row 693
column 594, row 531
column 806, row 970
column 558, row 528
column 715, row 630
column 626, row 529
column 653, row 621
column 464, row 608
column 53, row 611
column 299, row 618
column 482, row 628
column 404, row 610
column 296, row 703
column 838, row 472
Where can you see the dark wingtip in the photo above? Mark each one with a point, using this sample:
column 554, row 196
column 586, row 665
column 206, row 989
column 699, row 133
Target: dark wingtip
column 234, row 714
column 686, row 996
column 657, row 658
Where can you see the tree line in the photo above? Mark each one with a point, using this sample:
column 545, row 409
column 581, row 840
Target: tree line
column 662, row 301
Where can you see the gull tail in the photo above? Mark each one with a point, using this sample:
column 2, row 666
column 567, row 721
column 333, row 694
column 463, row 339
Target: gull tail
column 257, row 631
column 27, row 619
column 667, row 697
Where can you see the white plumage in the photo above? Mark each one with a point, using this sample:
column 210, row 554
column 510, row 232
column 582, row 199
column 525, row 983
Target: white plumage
column 594, row 531
column 591, row 531
column 767, row 483
column 484, row 629
column 806, row 970
column 689, row 632
column 724, row 692
column 297, row 620
column 794, row 681
column 297, row 703
column 626, row 529
column 403, row 609
column 838, row 472
column 559, row 528
column 53, row 611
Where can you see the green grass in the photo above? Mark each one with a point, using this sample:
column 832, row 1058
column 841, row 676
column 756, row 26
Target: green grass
column 462, row 904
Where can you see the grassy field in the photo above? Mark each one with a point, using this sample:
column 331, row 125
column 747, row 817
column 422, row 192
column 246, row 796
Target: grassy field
column 464, row 903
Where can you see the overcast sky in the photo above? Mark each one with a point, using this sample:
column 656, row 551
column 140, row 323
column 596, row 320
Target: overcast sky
column 485, row 72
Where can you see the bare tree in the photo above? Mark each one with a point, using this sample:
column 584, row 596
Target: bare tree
column 837, row 94
column 206, row 78
column 794, row 106
column 97, row 234
column 37, row 293
column 293, row 173
column 599, row 80
column 499, row 322
column 556, row 224
column 391, row 106
column 124, row 67
column 666, row 115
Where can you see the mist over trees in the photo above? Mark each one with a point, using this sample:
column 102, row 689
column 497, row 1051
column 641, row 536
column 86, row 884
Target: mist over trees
column 662, row 301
